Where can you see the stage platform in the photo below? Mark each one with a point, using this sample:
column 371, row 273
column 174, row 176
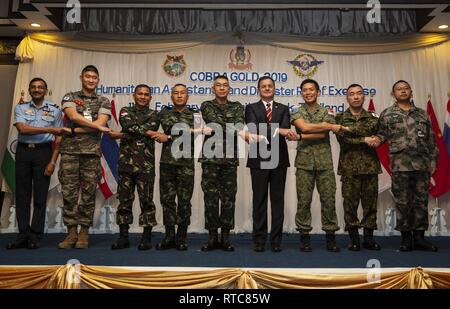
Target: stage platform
column 100, row 253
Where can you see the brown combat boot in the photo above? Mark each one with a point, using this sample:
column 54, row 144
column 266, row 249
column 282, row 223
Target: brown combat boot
column 71, row 238
column 83, row 238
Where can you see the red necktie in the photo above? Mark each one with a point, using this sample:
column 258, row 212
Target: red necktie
column 268, row 113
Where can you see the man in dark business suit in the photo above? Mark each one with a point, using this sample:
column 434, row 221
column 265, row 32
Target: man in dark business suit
column 268, row 161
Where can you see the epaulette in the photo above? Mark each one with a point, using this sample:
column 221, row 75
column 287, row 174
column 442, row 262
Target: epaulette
column 53, row 104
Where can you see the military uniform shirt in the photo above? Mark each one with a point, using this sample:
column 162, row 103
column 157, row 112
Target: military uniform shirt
column 169, row 116
column 90, row 108
column 221, row 114
column 356, row 157
column 314, row 154
column 137, row 151
column 47, row 116
column 412, row 146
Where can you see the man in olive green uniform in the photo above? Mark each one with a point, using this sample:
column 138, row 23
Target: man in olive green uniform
column 219, row 178
column 87, row 114
column 413, row 154
column 176, row 180
column 137, row 166
column 359, row 167
column 315, row 167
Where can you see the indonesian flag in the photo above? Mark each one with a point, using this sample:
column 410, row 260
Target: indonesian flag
column 110, row 158
column 440, row 180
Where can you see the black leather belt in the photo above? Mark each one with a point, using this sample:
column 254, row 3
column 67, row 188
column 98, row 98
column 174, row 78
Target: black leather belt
column 35, row 146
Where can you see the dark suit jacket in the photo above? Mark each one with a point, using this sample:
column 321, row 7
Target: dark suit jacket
column 255, row 113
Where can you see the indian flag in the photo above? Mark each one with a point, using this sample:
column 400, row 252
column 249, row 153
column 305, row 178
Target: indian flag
column 9, row 162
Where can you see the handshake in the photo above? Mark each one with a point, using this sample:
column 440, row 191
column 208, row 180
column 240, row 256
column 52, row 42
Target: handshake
column 372, row 141
column 289, row 134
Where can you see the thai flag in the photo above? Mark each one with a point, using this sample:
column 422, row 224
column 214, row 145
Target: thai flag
column 110, row 158
column 447, row 127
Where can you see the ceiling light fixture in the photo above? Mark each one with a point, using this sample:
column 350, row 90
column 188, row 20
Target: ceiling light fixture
column 443, row 27
column 35, row 25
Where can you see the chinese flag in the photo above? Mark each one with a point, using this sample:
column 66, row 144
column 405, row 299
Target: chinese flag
column 440, row 180
column 383, row 149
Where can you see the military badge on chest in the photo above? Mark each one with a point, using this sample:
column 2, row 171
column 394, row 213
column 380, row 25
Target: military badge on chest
column 48, row 114
column 87, row 113
column 420, row 130
column 85, row 110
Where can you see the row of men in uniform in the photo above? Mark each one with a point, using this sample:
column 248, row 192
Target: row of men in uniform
column 407, row 129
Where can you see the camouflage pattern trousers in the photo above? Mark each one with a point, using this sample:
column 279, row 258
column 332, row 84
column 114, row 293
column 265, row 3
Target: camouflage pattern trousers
column 326, row 185
column 127, row 184
column 79, row 173
column 410, row 190
column 219, row 185
column 176, row 181
column 356, row 188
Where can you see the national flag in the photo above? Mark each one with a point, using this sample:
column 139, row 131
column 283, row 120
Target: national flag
column 447, row 126
column 383, row 149
column 9, row 162
column 440, row 182
column 110, row 158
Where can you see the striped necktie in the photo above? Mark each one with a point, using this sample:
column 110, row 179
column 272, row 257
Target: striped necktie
column 268, row 113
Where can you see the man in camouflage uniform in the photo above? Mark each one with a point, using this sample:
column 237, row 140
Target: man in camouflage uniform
column 359, row 167
column 87, row 114
column 219, row 179
column 137, row 166
column 315, row 167
column 413, row 155
column 176, row 169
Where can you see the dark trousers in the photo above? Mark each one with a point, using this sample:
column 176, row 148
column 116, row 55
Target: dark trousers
column 263, row 181
column 410, row 190
column 30, row 178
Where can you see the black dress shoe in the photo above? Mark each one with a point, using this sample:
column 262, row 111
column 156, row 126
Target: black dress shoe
column 259, row 248
column 33, row 244
column 276, row 248
column 17, row 244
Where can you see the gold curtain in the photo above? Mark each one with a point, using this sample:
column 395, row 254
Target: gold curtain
column 135, row 44
column 352, row 46
column 104, row 277
column 114, row 43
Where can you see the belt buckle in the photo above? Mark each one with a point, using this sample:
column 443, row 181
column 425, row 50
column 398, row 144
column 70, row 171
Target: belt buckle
column 31, row 145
